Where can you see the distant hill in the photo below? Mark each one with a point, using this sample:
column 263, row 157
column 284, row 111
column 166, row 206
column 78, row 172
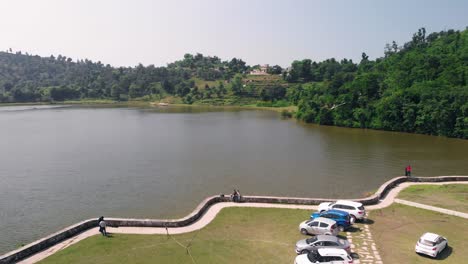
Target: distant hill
column 419, row 87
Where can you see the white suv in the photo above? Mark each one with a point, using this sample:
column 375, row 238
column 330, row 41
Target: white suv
column 355, row 209
column 325, row 255
column 319, row 226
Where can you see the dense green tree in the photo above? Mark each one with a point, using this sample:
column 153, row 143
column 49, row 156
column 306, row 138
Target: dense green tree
column 418, row 87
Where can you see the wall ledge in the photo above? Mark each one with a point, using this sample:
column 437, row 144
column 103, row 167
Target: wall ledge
column 200, row 210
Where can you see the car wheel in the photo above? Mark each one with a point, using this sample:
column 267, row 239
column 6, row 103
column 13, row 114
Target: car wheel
column 305, row 251
column 341, row 228
column 304, row 231
column 353, row 219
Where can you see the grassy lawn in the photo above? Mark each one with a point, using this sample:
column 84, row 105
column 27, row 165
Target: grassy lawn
column 237, row 235
column 397, row 228
column 450, row 196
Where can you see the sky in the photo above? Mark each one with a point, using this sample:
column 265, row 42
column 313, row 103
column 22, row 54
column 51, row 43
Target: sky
column 128, row 32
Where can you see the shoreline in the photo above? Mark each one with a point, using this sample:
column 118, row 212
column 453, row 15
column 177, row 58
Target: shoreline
column 151, row 104
column 207, row 208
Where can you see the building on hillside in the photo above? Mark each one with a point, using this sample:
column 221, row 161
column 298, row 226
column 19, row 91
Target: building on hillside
column 262, row 71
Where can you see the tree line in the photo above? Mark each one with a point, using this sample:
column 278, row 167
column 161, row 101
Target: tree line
column 418, row 87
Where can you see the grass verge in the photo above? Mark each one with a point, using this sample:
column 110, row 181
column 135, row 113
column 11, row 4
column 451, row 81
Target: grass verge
column 397, row 228
column 448, row 196
column 237, row 235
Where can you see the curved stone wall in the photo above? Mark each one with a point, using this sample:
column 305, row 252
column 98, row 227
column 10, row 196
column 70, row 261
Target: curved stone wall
column 73, row 230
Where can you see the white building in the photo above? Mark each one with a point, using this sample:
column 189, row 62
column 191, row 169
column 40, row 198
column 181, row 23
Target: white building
column 262, row 71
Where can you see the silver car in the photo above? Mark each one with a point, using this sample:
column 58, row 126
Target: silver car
column 319, row 226
column 321, row 241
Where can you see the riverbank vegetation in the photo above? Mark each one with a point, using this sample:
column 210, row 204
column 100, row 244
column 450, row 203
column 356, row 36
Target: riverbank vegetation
column 417, row 87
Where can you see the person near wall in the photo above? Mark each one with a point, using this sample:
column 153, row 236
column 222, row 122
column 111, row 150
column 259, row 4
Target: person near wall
column 102, row 226
column 239, row 196
column 236, row 196
column 408, row 171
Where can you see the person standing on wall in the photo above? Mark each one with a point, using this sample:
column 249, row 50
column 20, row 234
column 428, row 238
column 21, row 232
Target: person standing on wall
column 408, row 171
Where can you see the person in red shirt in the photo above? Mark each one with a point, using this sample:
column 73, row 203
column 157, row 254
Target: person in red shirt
column 408, row 171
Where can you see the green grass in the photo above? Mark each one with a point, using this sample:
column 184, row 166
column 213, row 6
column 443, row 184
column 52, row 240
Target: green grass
column 237, row 235
column 450, row 196
column 397, row 228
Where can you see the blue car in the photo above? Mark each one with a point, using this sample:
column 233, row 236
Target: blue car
column 342, row 218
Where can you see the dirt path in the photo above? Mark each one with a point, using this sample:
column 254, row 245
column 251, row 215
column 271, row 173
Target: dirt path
column 206, row 219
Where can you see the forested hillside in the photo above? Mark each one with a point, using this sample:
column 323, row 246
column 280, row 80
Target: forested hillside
column 419, row 87
column 26, row 78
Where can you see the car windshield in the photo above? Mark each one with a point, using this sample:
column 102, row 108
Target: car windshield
column 311, row 240
column 313, row 256
column 426, row 242
column 308, row 221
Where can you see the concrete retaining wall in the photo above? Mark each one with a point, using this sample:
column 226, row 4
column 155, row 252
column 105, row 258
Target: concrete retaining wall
column 47, row 242
column 74, row 230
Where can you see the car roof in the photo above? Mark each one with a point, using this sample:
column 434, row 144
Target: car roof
column 325, row 220
column 347, row 202
column 338, row 212
column 430, row 237
column 332, row 251
column 326, row 238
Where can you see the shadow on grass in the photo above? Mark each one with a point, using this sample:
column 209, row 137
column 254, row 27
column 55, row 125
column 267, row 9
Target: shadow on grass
column 354, row 255
column 353, row 229
column 342, row 237
column 367, row 221
column 442, row 255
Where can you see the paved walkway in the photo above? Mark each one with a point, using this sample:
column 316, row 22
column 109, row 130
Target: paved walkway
column 206, row 219
column 432, row 208
column 391, row 196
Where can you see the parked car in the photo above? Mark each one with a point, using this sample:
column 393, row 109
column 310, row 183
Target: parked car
column 321, row 241
column 356, row 210
column 319, row 226
column 431, row 244
column 342, row 218
column 325, row 255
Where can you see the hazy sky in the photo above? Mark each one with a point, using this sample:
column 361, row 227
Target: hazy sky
column 128, row 32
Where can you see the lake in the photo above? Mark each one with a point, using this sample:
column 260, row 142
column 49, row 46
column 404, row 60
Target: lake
column 61, row 165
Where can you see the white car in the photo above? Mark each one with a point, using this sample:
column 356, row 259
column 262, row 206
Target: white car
column 325, row 255
column 355, row 209
column 319, row 226
column 431, row 244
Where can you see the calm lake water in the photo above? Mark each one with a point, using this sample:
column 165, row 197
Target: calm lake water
column 59, row 166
